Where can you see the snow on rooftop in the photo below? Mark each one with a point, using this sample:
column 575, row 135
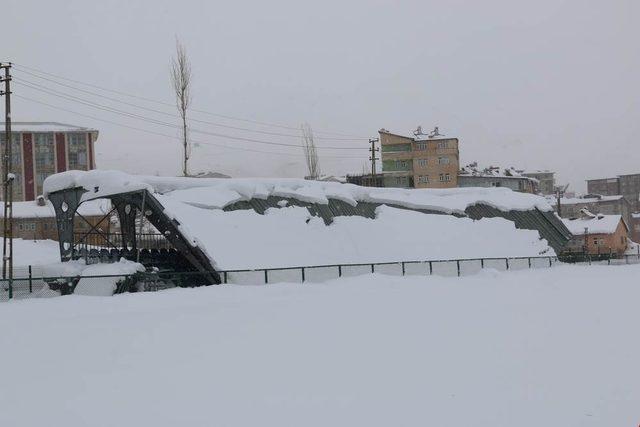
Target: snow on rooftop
column 587, row 199
column 31, row 209
column 473, row 169
column 217, row 193
column 595, row 224
column 46, row 127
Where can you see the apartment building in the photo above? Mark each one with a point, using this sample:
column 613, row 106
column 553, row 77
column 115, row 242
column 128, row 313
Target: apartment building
column 40, row 149
column 625, row 185
column 417, row 162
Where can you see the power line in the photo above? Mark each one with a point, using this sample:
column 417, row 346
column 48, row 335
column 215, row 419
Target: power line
column 153, row 110
column 23, row 67
column 92, row 104
column 171, row 136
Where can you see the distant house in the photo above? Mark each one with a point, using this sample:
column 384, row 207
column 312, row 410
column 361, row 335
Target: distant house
column 472, row 175
column 598, row 234
column 571, row 207
column 36, row 220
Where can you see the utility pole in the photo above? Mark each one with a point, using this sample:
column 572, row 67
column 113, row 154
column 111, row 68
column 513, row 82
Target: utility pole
column 7, row 181
column 373, row 157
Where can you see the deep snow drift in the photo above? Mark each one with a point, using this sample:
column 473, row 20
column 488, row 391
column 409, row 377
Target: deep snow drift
column 552, row 347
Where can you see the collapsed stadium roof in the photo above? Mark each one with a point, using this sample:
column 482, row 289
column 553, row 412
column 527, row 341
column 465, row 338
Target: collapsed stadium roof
column 185, row 208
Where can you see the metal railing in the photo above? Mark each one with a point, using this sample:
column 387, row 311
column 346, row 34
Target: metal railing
column 97, row 241
column 35, row 281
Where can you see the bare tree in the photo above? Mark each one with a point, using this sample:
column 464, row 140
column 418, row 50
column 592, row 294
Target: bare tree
column 310, row 152
column 180, row 71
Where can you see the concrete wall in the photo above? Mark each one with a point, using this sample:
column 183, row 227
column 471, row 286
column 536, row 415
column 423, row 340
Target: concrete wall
column 606, row 207
column 546, row 180
column 604, row 187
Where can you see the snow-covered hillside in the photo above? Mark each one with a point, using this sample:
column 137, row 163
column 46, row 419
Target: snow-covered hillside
column 552, row 347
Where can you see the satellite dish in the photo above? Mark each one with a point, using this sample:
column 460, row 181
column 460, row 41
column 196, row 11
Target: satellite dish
column 435, row 132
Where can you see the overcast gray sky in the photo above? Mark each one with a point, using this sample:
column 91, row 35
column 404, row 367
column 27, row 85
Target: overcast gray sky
column 537, row 84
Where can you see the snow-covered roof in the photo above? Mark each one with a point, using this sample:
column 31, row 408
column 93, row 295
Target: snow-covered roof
column 595, row 224
column 417, row 138
column 46, row 127
column 473, row 169
column 583, row 200
column 31, row 209
column 218, row 193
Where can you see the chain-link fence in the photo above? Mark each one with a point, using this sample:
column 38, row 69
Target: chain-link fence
column 32, row 282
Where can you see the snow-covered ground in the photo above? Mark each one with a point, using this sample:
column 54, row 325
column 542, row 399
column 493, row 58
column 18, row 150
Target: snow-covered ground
column 548, row 347
column 35, row 252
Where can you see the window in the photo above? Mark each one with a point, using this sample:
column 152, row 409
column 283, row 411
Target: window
column 443, row 160
column 77, row 151
column 421, row 146
column 598, row 241
column 444, row 177
column 44, row 149
column 423, row 179
column 27, row 226
column 401, row 164
column 40, row 177
column 401, row 180
column 16, row 149
column 443, row 144
column 422, row 163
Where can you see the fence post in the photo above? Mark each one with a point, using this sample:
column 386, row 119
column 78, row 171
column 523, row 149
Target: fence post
column 506, row 261
column 458, row 266
column 403, row 268
column 266, row 276
column 481, row 263
column 430, row 267
column 302, row 270
column 340, row 271
column 529, row 261
column 224, row 275
column 30, row 280
column 549, row 261
column 373, row 268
